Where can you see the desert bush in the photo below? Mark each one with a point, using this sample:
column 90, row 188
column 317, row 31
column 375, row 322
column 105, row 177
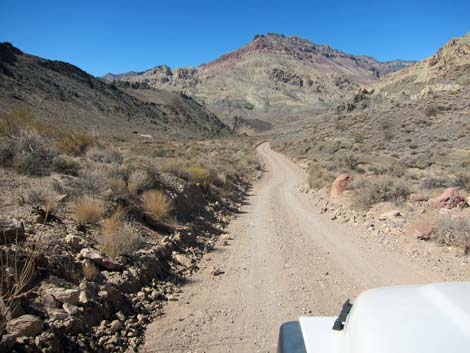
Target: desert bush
column 462, row 181
column 116, row 236
column 318, row 177
column 17, row 271
column 75, row 143
column 156, row 204
column 453, row 231
column 90, row 270
column 140, row 181
column 42, row 197
column 104, row 155
column 200, row 175
column 348, row 161
column 397, row 169
column 33, row 153
column 174, row 166
column 88, row 210
column 91, row 182
column 66, row 165
column 435, row 182
column 6, row 153
column 374, row 190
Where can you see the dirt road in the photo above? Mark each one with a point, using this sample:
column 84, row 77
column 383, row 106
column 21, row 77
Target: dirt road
column 285, row 260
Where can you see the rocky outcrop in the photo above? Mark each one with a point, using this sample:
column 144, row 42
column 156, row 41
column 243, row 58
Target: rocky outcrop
column 340, row 185
column 450, row 198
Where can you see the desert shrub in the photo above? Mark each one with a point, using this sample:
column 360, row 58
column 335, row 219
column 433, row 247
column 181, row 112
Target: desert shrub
column 90, row 270
column 104, row 155
column 33, row 153
column 140, row 181
column 434, row 182
column 348, row 161
column 42, row 197
column 116, row 236
column 66, row 165
column 91, row 182
column 88, row 210
column 318, row 177
column 174, row 166
column 462, row 181
column 430, row 111
column 75, row 143
column 453, row 231
column 397, row 169
column 6, row 153
column 156, row 204
column 380, row 189
column 200, row 175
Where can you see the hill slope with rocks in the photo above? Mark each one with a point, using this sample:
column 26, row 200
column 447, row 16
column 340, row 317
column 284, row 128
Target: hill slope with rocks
column 60, row 93
column 273, row 77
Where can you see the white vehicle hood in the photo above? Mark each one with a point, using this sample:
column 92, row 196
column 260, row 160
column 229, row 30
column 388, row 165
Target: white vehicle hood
column 432, row 318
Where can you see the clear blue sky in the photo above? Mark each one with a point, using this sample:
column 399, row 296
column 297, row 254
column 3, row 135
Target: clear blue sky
column 116, row 36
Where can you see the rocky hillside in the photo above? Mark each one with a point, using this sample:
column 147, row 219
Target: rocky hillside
column 447, row 70
column 271, row 77
column 61, row 93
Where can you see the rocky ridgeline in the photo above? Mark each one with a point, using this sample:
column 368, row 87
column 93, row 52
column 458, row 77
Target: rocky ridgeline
column 81, row 300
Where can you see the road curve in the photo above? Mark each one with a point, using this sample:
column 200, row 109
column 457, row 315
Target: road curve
column 285, row 260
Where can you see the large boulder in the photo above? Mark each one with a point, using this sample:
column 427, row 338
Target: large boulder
column 450, row 198
column 340, row 185
column 25, row 325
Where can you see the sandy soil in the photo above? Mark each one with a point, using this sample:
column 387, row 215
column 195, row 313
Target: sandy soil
column 285, row 260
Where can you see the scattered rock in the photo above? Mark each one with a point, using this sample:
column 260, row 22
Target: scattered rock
column 450, row 198
column 25, row 325
column 421, row 230
column 418, row 197
column 217, row 271
column 389, row 215
column 183, row 260
column 74, row 242
column 11, row 230
column 100, row 259
column 340, row 185
column 116, row 325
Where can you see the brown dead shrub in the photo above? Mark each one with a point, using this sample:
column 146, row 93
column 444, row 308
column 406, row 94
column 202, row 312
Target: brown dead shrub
column 88, row 210
column 156, row 204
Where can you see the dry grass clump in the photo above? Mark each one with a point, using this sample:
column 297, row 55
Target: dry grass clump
column 104, row 155
column 88, row 210
column 116, row 237
column 200, row 175
column 374, row 190
column 75, row 143
column 156, row 204
column 90, row 270
column 17, row 271
column 140, row 181
column 454, row 232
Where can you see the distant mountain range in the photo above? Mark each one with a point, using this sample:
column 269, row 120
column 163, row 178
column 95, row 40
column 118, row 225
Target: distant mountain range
column 65, row 95
column 273, row 77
